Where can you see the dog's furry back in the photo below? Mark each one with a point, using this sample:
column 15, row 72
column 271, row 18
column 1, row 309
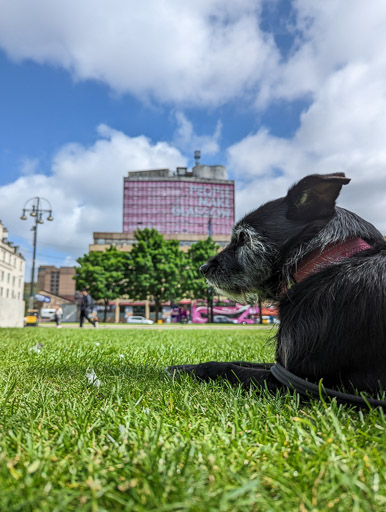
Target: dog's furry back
column 333, row 324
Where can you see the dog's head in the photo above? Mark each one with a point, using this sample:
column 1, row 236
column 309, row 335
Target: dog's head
column 244, row 268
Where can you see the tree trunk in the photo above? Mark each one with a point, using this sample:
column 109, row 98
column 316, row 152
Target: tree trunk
column 105, row 311
column 260, row 312
column 157, row 306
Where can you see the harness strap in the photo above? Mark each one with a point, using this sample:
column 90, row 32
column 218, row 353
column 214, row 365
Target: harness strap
column 306, row 388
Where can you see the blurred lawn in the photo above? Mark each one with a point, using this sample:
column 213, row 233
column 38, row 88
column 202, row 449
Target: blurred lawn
column 141, row 441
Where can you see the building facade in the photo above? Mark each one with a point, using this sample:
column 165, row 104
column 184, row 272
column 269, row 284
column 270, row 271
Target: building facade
column 58, row 281
column 198, row 202
column 12, row 269
column 185, row 205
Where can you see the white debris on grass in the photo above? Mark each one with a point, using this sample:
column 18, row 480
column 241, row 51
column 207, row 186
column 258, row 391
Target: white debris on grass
column 121, row 356
column 92, row 378
column 110, row 438
column 37, row 348
column 96, row 344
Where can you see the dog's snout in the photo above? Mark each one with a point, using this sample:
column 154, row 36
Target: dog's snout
column 204, row 269
column 209, row 267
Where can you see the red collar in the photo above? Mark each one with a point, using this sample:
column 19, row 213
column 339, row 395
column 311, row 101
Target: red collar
column 332, row 253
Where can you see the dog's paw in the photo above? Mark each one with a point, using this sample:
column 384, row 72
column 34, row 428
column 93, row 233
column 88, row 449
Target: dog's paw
column 174, row 371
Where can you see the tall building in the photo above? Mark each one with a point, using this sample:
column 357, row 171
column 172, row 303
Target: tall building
column 58, row 281
column 12, row 268
column 195, row 202
column 186, row 205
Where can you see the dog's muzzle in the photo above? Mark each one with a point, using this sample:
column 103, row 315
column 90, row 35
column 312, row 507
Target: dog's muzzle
column 204, row 269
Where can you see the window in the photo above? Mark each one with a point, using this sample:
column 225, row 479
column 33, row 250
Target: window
column 8, row 277
column 2, row 275
column 7, row 292
column 1, row 291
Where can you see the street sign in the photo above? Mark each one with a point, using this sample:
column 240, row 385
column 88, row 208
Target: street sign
column 42, row 298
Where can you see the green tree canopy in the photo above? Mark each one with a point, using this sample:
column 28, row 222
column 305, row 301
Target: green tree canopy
column 102, row 274
column 198, row 254
column 155, row 269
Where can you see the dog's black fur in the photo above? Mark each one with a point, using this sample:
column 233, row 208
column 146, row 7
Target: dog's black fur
column 333, row 323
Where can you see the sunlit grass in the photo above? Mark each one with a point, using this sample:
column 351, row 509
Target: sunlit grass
column 141, row 441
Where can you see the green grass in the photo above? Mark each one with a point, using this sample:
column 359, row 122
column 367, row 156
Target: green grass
column 143, row 442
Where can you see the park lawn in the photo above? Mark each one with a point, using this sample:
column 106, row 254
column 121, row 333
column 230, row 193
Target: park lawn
column 141, row 441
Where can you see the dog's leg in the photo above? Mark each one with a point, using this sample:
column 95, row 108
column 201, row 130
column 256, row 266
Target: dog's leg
column 238, row 372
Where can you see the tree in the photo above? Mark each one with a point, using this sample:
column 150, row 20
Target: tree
column 195, row 284
column 155, row 269
column 102, row 274
column 198, row 254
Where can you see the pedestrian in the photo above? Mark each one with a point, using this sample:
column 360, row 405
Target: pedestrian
column 86, row 309
column 58, row 315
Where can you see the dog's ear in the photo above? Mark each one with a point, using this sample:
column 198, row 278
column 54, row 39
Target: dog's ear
column 314, row 196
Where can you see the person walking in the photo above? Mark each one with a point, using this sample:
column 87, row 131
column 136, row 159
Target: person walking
column 58, row 315
column 86, row 309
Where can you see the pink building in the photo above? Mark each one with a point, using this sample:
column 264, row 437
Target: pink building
column 196, row 202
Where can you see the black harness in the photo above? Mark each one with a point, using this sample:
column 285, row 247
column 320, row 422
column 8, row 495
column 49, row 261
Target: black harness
column 306, row 388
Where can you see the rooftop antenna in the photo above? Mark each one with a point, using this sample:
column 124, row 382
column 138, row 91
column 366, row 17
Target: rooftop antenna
column 197, row 156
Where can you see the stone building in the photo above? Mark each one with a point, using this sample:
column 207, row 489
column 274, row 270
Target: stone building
column 12, row 268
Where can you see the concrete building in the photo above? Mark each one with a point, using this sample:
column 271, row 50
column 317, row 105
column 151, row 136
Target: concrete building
column 58, row 281
column 185, row 205
column 12, row 268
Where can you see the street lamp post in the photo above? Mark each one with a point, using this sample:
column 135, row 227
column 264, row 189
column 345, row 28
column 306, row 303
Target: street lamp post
column 36, row 211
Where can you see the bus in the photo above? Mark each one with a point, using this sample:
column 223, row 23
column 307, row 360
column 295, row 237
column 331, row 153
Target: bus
column 225, row 311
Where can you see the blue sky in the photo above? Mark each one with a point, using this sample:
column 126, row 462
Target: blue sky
column 272, row 89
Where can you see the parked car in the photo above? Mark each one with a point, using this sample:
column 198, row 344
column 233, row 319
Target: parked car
column 138, row 320
column 223, row 319
column 47, row 313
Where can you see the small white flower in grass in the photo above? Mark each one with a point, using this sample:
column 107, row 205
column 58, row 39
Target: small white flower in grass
column 97, row 344
column 92, row 378
column 121, row 356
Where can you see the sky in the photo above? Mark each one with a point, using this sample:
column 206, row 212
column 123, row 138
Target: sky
column 272, row 89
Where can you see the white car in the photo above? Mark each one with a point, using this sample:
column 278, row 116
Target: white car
column 138, row 320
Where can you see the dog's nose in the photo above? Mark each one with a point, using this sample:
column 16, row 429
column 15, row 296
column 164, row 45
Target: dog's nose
column 204, row 268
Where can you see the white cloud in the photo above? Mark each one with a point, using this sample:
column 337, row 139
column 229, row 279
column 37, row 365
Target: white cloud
column 343, row 130
column 29, row 166
column 85, row 190
column 330, row 36
column 341, row 62
column 186, row 139
column 197, row 52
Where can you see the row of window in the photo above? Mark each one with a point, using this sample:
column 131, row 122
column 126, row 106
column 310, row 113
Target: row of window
column 12, row 260
column 9, row 293
column 2, row 278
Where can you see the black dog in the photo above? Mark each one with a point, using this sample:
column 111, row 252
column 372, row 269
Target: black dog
column 327, row 268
